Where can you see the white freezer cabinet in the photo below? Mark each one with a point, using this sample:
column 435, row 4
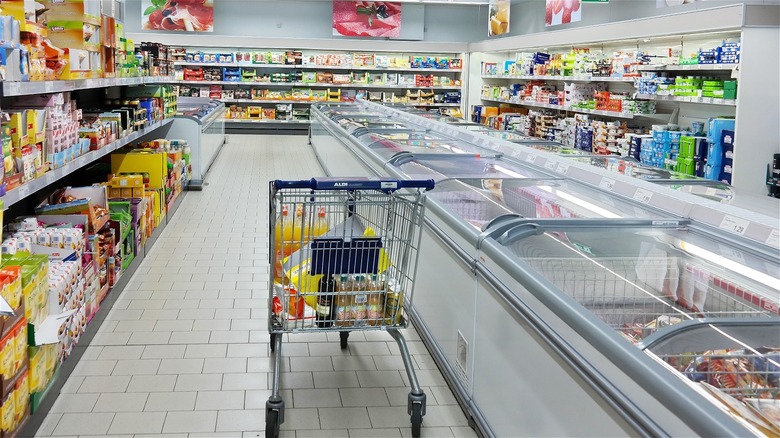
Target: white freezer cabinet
column 200, row 121
column 567, row 310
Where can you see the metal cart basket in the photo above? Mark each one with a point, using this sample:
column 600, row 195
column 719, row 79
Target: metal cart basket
column 343, row 255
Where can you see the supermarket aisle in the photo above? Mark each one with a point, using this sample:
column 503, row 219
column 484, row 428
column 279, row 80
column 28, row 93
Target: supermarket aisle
column 184, row 352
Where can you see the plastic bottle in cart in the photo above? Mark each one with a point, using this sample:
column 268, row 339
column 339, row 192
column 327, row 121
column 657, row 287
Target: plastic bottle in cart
column 359, row 300
column 375, row 310
column 394, row 302
column 344, row 302
column 320, row 225
column 299, row 236
column 282, row 237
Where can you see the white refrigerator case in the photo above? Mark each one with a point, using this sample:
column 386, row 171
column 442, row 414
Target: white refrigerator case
column 200, row 121
column 552, row 288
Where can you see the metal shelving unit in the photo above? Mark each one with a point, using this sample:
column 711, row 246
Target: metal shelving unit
column 687, row 99
column 582, row 110
column 691, row 67
column 52, row 176
column 43, row 87
column 323, row 85
column 319, row 67
column 563, row 78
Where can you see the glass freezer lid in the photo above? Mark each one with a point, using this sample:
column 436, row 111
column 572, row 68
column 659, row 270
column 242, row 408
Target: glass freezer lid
column 641, row 279
column 479, row 200
column 388, row 148
column 466, row 166
column 403, row 135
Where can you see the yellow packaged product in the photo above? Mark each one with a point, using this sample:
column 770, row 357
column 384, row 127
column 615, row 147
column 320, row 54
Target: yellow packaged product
column 7, row 351
column 20, row 344
column 8, row 413
column 22, row 396
column 36, row 368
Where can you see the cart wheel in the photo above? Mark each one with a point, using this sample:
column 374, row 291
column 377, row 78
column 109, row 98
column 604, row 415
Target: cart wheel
column 273, row 342
column 343, row 338
column 272, row 424
column 416, row 419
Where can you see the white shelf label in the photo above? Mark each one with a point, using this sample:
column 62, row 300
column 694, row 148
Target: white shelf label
column 732, row 254
column 14, row 88
column 530, row 158
column 606, row 199
column 562, row 168
column 549, row 165
column 48, row 87
column 774, row 239
column 607, row 183
column 643, row 195
column 50, row 178
column 734, row 224
column 516, row 153
column 24, row 190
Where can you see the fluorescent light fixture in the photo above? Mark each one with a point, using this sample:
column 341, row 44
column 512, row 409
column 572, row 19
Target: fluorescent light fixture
column 584, row 204
column 766, row 280
column 511, row 173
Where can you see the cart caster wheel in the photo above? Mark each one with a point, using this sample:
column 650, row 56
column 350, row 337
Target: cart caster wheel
column 273, row 342
column 272, row 424
column 343, row 339
column 416, row 419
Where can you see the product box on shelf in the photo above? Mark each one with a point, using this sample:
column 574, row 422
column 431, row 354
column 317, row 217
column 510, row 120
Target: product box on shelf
column 91, row 201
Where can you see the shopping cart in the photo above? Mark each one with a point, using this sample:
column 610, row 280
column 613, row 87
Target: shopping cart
column 343, row 255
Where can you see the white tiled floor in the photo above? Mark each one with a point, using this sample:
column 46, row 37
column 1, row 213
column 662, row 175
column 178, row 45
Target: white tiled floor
column 184, row 352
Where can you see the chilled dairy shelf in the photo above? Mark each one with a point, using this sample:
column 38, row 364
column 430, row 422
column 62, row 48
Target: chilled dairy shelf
column 563, row 78
column 688, row 99
column 52, row 176
column 691, row 67
column 582, row 110
column 319, row 67
column 42, row 87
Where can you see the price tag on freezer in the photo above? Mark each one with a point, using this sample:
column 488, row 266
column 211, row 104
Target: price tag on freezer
column 734, row 224
column 774, row 239
column 530, row 158
column 562, row 168
column 607, row 183
column 732, row 254
column 643, row 195
column 549, row 165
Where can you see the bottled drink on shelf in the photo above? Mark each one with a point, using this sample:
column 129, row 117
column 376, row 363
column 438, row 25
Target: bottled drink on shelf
column 394, row 303
column 326, row 309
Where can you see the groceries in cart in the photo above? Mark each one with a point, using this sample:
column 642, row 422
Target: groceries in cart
column 332, row 276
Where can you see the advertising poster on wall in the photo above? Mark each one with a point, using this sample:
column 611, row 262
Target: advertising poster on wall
column 367, row 19
column 498, row 17
column 179, row 15
column 562, row 12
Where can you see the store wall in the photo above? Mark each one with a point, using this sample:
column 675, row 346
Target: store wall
column 527, row 16
column 312, row 19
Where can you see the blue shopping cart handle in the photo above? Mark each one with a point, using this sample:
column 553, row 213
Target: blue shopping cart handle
column 381, row 184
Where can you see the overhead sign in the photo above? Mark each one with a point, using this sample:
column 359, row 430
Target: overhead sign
column 562, row 12
column 367, row 19
column 498, row 17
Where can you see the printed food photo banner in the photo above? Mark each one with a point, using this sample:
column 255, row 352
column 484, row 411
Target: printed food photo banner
column 562, row 12
column 498, row 17
column 367, row 19
column 179, row 15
